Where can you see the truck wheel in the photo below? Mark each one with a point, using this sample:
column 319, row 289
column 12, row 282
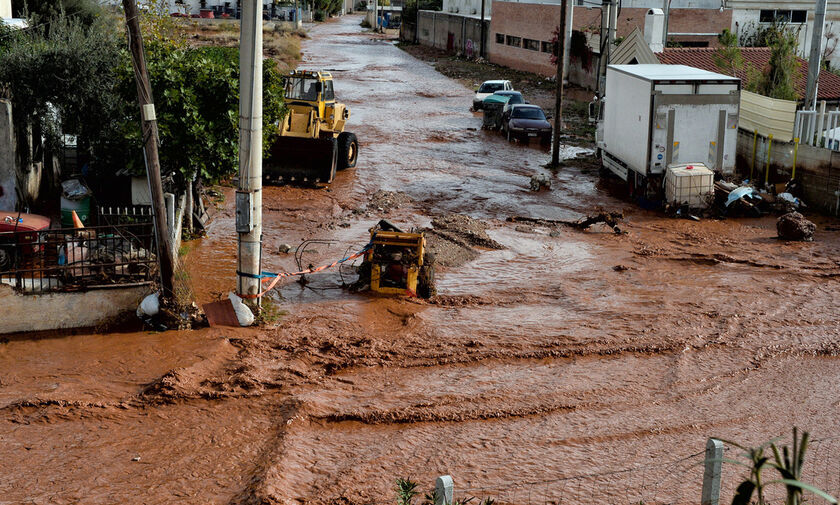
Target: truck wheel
column 348, row 150
column 6, row 258
column 426, row 278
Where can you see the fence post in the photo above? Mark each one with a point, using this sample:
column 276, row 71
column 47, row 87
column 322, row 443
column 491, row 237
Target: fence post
column 711, row 474
column 444, row 490
column 755, row 150
column 767, row 170
column 795, row 152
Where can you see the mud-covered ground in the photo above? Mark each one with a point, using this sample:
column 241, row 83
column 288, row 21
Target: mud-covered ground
column 555, row 364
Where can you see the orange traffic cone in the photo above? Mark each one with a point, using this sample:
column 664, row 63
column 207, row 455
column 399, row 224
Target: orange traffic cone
column 77, row 223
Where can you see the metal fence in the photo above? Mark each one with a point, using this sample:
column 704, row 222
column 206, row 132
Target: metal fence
column 69, row 259
column 812, row 130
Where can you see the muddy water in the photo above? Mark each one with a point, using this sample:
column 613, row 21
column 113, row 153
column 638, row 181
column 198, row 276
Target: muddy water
column 540, row 374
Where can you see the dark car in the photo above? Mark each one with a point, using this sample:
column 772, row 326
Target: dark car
column 524, row 122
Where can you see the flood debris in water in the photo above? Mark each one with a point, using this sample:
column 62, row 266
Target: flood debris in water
column 610, row 218
column 453, row 239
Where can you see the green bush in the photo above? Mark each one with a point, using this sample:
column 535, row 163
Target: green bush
column 318, row 15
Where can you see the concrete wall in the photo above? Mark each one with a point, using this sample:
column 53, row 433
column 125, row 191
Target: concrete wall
column 5, row 8
column 817, row 169
column 66, row 310
column 8, row 177
column 459, row 34
column 532, row 21
column 467, row 7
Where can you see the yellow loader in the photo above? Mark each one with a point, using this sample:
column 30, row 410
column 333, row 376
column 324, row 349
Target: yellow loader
column 312, row 143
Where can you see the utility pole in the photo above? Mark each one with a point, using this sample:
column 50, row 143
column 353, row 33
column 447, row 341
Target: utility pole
column 483, row 52
column 667, row 10
column 814, row 62
column 607, row 8
column 249, row 193
column 558, row 99
column 148, row 123
column 568, row 35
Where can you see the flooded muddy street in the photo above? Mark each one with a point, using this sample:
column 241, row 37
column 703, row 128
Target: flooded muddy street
column 557, row 364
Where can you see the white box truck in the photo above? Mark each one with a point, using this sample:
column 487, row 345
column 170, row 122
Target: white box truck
column 656, row 116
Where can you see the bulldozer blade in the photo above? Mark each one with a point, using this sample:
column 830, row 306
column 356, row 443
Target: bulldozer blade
column 294, row 160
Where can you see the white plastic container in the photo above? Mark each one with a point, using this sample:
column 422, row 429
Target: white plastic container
column 689, row 184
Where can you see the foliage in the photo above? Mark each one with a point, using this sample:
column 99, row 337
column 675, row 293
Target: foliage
column 788, row 464
column 579, row 50
column 410, row 8
column 318, row 16
column 40, row 11
column 326, row 8
column 196, row 92
column 728, row 58
column 60, row 75
column 406, row 491
column 778, row 80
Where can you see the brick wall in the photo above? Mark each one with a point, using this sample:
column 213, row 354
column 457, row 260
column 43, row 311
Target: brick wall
column 531, row 21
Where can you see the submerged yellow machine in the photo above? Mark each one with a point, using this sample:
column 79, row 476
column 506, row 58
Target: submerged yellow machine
column 312, row 143
column 398, row 263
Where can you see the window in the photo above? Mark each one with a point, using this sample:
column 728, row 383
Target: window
column 301, row 88
column 533, row 45
column 513, row 41
column 500, row 38
column 329, row 95
column 546, row 47
column 783, row 16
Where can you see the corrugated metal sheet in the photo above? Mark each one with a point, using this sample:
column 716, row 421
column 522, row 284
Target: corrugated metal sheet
column 767, row 115
column 633, row 47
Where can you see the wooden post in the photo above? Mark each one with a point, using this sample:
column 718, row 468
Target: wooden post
column 148, row 123
column 795, row 152
column 755, row 151
column 767, row 166
column 558, row 99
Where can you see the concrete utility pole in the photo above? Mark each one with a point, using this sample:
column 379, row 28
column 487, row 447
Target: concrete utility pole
column 667, row 10
column 483, row 52
column 148, row 124
column 558, row 99
column 249, row 194
column 607, row 8
column 814, row 62
column 568, row 35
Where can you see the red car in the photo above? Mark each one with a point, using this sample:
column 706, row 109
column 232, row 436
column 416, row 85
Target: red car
column 25, row 241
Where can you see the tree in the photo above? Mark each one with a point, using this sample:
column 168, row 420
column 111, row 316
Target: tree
column 729, row 58
column 777, row 80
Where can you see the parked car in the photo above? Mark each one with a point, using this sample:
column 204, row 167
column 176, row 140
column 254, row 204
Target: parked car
column 515, row 98
column 19, row 236
column 524, row 122
column 487, row 89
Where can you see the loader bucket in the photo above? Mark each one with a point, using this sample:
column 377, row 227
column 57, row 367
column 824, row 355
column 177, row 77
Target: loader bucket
column 301, row 161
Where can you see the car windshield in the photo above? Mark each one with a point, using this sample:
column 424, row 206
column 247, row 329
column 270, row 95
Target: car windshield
column 528, row 113
column 514, row 99
column 302, row 88
column 491, row 87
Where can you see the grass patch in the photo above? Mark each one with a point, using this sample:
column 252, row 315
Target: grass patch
column 270, row 313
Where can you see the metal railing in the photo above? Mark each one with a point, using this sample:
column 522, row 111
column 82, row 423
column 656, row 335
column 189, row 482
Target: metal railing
column 70, row 259
column 808, row 129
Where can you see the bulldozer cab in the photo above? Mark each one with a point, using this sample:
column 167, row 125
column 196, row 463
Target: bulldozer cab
column 311, row 89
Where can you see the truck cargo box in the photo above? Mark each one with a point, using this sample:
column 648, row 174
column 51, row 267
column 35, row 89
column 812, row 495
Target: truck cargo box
column 660, row 115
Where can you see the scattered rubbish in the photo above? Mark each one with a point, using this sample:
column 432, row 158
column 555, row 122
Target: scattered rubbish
column 74, row 190
column 790, row 200
column 385, row 201
column 284, row 248
column 734, row 200
column 794, row 226
column 149, row 307
column 621, row 268
column 243, row 313
column 135, row 458
column 221, row 313
column 539, row 181
column 609, row 218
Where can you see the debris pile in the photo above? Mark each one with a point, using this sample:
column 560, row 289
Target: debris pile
column 794, row 226
column 386, row 201
column 539, row 181
column 453, row 239
column 611, row 219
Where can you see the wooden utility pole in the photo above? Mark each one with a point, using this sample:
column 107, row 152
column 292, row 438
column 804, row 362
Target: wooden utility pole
column 148, row 124
column 814, row 61
column 483, row 35
column 558, row 103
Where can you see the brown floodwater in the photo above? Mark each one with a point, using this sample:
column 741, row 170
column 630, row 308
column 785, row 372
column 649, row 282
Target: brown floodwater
column 540, row 374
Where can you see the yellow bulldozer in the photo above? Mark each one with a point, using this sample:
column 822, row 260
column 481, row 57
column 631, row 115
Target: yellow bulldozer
column 312, row 143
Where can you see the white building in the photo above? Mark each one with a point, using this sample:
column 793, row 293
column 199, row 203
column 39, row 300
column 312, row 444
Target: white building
column 467, row 7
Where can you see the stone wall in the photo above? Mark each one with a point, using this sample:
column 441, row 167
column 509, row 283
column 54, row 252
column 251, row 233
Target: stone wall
column 53, row 311
column 817, row 169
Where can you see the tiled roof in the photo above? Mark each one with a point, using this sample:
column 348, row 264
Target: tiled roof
column 759, row 57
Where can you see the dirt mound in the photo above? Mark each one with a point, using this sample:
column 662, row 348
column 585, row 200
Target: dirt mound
column 453, row 239
column 794, row 226
column 385, row 201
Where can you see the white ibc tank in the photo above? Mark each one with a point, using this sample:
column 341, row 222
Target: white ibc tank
column 690, row 184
